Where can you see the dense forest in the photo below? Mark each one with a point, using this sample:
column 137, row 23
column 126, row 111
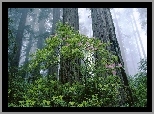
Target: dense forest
column 77, row 57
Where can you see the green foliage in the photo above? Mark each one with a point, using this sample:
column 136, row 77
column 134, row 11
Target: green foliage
column 44, row 93
column 71, row 45
column 143, row 66
column 92, row 91
column 13, row 80
column 138, row 84
column 11, row 42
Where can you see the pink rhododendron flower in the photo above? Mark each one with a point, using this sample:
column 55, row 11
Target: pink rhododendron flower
column 113, row 72
column 113, row 65
column 110, row 66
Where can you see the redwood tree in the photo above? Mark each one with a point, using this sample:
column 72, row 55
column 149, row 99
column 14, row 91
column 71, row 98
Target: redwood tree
column 103, row 28
column 68, row 70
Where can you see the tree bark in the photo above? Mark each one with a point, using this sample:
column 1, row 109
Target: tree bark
column 103, row 28
column 70, row 15
column 67, row 70
column 29, row 45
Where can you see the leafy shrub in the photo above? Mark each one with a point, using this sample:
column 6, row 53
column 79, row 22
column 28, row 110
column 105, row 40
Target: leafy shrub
column 55, row 94
column 138, row 85
column 99, row 85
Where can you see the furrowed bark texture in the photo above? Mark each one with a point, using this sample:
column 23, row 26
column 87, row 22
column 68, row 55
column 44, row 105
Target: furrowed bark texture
column 68, row 71
column 103, row 28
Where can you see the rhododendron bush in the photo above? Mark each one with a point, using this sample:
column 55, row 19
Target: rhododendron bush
column 92, row 91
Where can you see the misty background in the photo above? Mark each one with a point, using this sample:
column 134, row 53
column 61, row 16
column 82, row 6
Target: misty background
column 130, row 25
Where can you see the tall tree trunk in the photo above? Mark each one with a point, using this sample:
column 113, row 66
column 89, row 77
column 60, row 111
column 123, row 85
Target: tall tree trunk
column 27, row 54
column 36, row 72
column 70, row 15
column 137, row 31
column 67, row 70
column 103, row 28
column 97, row 23
column 117, row 51
column 39, row 45
column 19, row 37
column 53, row 70
column 29, row 45
column 41, row 31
